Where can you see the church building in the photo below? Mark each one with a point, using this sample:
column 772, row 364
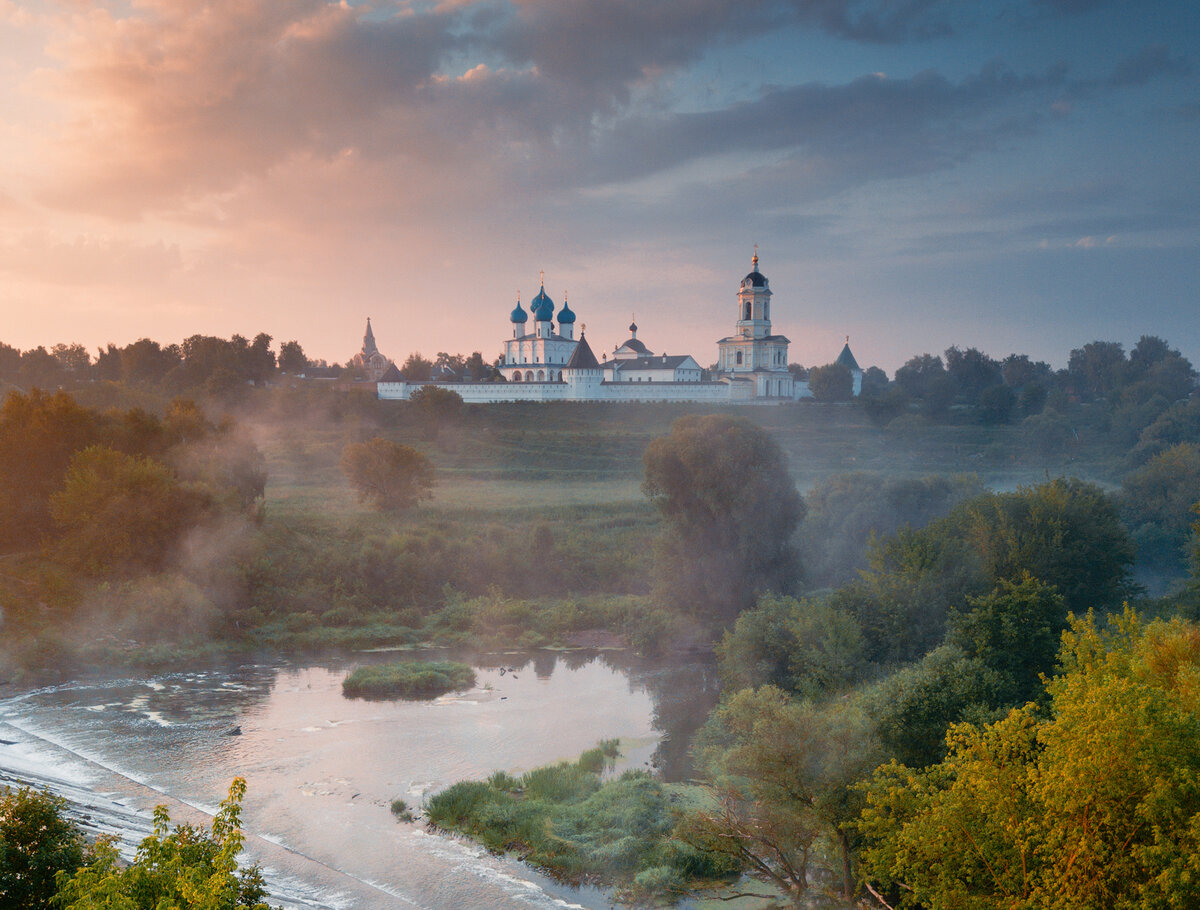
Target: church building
column 753, row 353
column 543, row 361
column 541, row 354
column 369, row 360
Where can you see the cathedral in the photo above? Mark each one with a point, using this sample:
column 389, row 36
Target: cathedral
column 542, row 360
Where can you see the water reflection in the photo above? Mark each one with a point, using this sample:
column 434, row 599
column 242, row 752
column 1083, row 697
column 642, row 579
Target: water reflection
column 323, row 769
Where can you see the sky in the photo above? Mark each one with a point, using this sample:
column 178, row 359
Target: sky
column 1017, row 175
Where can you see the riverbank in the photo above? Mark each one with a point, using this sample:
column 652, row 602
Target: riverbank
column 323, row 770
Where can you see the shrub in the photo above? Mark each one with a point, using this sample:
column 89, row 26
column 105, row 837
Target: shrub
column 408, row 679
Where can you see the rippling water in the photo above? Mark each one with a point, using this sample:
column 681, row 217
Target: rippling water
column 322, row 770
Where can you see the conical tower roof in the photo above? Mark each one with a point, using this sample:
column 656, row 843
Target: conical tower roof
column 582, row 357
column 846, row 359
column 368, row 347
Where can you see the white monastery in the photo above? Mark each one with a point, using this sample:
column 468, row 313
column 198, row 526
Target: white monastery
column 541, row 364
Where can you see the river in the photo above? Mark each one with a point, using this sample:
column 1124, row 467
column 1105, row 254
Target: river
column 322, row 770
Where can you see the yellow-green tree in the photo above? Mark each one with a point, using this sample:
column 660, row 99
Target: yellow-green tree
column 186, row 867
column 1095, row 803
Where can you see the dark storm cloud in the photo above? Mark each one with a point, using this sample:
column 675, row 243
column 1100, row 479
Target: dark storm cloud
column 872, row 126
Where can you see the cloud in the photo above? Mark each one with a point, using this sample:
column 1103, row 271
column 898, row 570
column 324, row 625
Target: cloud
column 88, row 260
column 870, row 128
column 1149, row 63
column 191, row 98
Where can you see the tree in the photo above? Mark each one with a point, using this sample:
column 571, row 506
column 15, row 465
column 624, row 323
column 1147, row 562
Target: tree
column 804, row 647
column 1019, row 371
column 1065, row 532
column 1014, row 630
column 10, row 363
column 36, row 843
column 436, row 408
column 874, row 381
column 1097, row 369
column 40, row 369
column 1156, row 504
column 39, row 434
column 972, row 371
column 146, row 361
column 1178, row 423
column 730, row 507
column 780, row 773
column 843, row 512
column 73, row 358
column 831, row 383
column 291, row 357
column 1093, row 802
column 391, row 476
column 182, row 868
column 416, row 368
column 996, row 404
column 119, row 512
column 478, row 370
column 918, row 373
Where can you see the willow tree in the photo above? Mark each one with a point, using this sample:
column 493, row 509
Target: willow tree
column 722, row 485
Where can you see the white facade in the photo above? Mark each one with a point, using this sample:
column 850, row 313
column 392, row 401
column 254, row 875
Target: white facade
column 542, row 364
column 538, row 355
column 753, row 352
column 659, row 368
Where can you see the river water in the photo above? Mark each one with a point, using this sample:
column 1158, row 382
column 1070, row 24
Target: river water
column 322, row 770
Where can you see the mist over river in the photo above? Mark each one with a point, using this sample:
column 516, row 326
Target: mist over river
column 322, row 769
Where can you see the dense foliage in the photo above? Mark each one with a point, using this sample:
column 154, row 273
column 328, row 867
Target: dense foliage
column 1092, row 803
column 36, row 843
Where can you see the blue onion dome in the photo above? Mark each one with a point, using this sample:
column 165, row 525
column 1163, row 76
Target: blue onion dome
column 542, row 306
column 632, row 328
column 518, row 314
column 566, row 315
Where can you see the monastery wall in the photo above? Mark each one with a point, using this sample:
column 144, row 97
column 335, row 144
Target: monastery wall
column 493, row 392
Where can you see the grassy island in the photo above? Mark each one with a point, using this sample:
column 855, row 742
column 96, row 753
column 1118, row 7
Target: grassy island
column 568, row 821
column 408, row 679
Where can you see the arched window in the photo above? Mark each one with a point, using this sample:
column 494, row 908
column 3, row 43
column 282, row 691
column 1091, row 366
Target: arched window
column 541, row 376
column 746, row 314
column 529, row 375
column 738, row 357
column 517, row 376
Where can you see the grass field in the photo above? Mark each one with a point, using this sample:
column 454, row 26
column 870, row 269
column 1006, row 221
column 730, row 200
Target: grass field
column 513, row 459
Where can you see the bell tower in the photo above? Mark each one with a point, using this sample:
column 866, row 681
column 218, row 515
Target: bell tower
column 754, row 303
